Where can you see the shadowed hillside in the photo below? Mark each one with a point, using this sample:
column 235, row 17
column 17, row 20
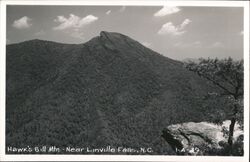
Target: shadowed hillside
column 109, row 91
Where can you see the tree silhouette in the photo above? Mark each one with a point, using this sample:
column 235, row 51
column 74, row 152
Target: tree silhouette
column 226, row 74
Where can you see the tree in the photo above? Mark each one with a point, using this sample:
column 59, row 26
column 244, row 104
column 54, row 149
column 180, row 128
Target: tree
column 226, row 74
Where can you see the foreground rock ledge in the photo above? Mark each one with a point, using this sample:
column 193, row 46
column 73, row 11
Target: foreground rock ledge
column 195, row 138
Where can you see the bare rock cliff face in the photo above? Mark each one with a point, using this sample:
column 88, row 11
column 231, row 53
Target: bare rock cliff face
column 196, row 138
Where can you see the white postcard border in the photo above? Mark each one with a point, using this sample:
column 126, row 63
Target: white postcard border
column 4, row 157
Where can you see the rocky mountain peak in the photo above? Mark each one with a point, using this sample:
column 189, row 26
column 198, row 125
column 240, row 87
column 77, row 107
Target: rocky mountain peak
column 114, row 37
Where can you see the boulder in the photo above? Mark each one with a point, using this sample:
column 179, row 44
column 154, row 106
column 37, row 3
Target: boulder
column 195, row 138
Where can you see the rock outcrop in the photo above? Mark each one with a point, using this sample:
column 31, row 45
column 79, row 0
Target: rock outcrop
column 196, row 138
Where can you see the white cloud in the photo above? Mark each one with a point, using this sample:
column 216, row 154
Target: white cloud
column 22, row 23
column 122, row 9
column 146, row 44
column 74, row 25
column 41, row 32
column 185, row 23
column 108, row 12
column 167, row 10
column 169, row 28
column 73, row 22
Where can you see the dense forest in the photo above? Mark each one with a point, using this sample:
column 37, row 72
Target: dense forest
column 109, row 91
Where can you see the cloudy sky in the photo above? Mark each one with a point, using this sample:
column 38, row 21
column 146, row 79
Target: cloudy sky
column 176, row 32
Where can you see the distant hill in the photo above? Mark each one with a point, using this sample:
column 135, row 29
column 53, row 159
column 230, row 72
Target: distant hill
column 109, row 91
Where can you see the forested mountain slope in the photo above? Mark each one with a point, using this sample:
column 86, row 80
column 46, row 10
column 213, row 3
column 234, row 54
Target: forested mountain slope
column 109, row 91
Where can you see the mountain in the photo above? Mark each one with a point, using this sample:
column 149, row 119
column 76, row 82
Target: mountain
column 110, row 90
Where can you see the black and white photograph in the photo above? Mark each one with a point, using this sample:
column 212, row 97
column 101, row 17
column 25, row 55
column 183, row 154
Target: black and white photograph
column 125, row 80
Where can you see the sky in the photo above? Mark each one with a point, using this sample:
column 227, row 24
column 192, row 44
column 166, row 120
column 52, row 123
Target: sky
column 176, row 32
